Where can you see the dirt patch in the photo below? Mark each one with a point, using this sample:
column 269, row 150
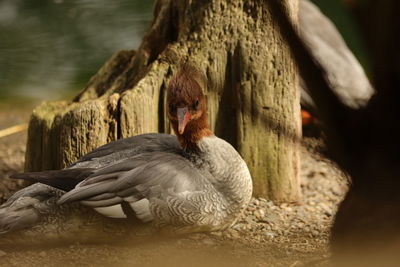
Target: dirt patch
column 266, row 235
column 12, row 149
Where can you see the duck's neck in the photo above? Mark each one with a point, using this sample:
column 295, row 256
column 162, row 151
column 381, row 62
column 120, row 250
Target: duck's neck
column 194, row 131
column 229, row 173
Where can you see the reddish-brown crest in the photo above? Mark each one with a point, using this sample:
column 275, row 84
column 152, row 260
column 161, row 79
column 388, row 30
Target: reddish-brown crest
column 184, row 91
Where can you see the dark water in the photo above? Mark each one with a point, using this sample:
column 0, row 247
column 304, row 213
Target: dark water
column 50, row 48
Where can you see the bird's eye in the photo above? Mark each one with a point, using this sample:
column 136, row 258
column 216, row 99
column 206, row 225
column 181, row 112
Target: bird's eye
column 196, row 105
column 171, row 108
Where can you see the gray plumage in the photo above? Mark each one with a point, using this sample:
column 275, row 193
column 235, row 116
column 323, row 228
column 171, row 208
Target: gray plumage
column 197, row 191
column 328, row 48
column 127, row 147
column 202, row 190
column 26, row 207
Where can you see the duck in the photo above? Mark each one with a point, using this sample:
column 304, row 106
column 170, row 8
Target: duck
column 192, row 181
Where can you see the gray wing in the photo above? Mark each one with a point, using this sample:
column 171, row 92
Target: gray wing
column 328, row 48
column 128, row 147
column 161, row 176
column 27, row 207
column 108, row 154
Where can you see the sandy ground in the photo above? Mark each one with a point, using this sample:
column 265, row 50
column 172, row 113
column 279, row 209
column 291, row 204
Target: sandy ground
column 266, row 235
column 12, row 147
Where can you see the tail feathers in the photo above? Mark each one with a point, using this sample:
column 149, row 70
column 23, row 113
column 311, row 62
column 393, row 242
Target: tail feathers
column 65, row 179
column 27, row 207
column 12, row 221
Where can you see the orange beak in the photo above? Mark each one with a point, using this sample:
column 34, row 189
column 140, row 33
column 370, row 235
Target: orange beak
column 183, row 119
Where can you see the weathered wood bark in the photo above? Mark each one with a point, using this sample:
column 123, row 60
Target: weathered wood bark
column 250, row 87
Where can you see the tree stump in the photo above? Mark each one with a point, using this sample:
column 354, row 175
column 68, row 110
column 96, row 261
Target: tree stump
column 250, row 85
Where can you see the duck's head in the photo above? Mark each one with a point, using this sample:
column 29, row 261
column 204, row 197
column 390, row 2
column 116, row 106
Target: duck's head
column 186, row 108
